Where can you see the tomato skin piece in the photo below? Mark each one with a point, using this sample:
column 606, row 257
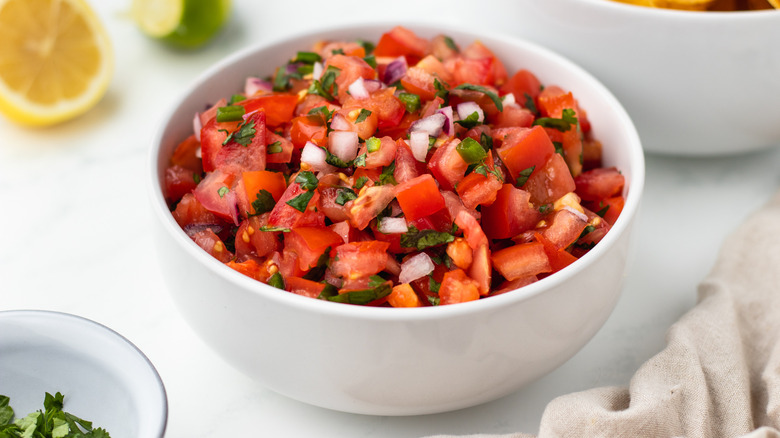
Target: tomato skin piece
column 477, row 50
column 523, row 148
column 475, row 71
column 190, row 212
column 559, row 258
column 563, row 229
column 309, row 243
column 521, row 260
column 550, row 182
column 212, row 135
column 457, row 287
column 359, row 259
column 420, row 82
column 510, row 215
column 419, row 197
column 401, row 41
column 278, row 108
column 599, row 184
column 215, row 192
column 178, row 182
column 304, row 287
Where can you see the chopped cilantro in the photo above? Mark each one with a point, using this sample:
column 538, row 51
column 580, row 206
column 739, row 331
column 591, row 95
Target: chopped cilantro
column 603, row 210
column 345, row 195
column 360, row 161
column 276, row 281
column 264, row 202
column 243, row 135
column 301, row 201
column 370, row 60
column 451, row 44
column 523, row 176
column 319, row 270
column 386, row 177
column 421, row 239
column 441, row 90
column 322, row 111
column 563, row 124
column 275, row 147
column 544, row 208
column 589, row 229
column 487, row 92
column 434, row 300
column 307, row 57
column 470, row 121
column 222, row 191
column 470, row 150
column 334, row 160
column 363, row 296
column 328, row 292
column 529, row 104
column 360, row 182
column 433, row 285
column 364, row 113
column 375, row 280
column 486, row 141
column 368, row 46
column 307, row 180
column 52, row 422
column 558, row 147
column 197, row 178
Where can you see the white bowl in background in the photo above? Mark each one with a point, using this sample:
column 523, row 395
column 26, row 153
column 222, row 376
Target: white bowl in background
column 694, row 83
column 105, row 379
column 395, row 361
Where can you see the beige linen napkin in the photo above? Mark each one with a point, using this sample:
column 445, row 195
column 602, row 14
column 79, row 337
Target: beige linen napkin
column 719, row 375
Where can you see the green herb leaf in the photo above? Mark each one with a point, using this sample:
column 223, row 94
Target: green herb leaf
column 243, row 135
column 486, row 141
column 545, row 208
column 421, row 239
column 386, row 177
column 281, row 79
column 345, row 195
column 451, row 44
column 604, row 209
column 370, row 60
column 307, row 57
column 368, row 46
column 222, row 191
column 363, row 296
column 361, row 182
column 264, row 202
column 275, row 147
column 530, row 105
column 470, row 150
column 434, row 300
column 307, row 180
column 410, row 100
column 589, row 229
column 433, row 285
column 566, row 122
column 301, row 201
column 360, row 161
column 323, row 111
column 197, row 178
column 441, row 90
column 364, row 113
column 319, row 270
column 470, row 121
column 523, row 176
column 375, row 280
column 487, row 92
column 334, row 160
column 329, row 291
column 558, row 147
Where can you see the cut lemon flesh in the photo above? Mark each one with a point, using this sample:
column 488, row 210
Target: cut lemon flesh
column 55, row 60
column 183, row 23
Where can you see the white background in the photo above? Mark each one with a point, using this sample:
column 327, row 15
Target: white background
column 75, row 235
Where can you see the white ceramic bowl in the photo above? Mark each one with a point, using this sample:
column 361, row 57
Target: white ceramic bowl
column 389, row 361
column 104, row 378
column 695, row 83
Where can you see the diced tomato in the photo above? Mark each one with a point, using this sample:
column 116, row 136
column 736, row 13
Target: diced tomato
column 563, row 228
column 552, row 101
column 349, row 48
column 447, row 166
column 591, row 153
column 359, row 259
column 388, row 109
column 216, row 194
column 559, row 258
column 442, row 47
column 185, row 155
column 310, row 243
column 550, row 182
column 457, row 287
column 251, row 268
column 521, row 260
column 368, row 205
column 481, row 269
column 473, row 232
column 178, row 182
column 212, row 135
column 477, row 50
column 328, row 205
column 403, row 296
column 477, row 189
column 350, row 115
column 278, row 108
column 308, row 128
column 235, row 157
column 211, row 112
column 382, row 157
column 304, row 287
column 509, row 286
column 251, row 241
column 287, row 216
column 212, row 244
column 419, row 197
column 420, row 82
column 523, row 149
column 513, row 116
column 524, row 85
column 401, row 41
column 191, row 212
column 510, row 215
column 609, row 208
column 460, row 253
column 599, row 184
column 476, row 71
column 274, row 142
column 254, row 181
column 350, row 68
column 406, row 166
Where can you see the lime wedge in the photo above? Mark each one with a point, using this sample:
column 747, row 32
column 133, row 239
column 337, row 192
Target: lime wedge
column 182, row 23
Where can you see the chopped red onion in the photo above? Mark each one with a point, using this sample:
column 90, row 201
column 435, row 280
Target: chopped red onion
column 373, row 85
column 196, row 126
column 579, row 214
column 415, row 267
column 395, row 70
column 358, row 89
column 343, row 144
column 432, row 125
column 466, row 109
column 393, row 225
column 317, row 70
column 253, row 85
column 448, row 127
column 418, row 142
column 340, row 123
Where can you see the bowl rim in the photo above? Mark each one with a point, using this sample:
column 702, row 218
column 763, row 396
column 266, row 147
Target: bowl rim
column 635, row 184
column 83, row 323
column 683, row 15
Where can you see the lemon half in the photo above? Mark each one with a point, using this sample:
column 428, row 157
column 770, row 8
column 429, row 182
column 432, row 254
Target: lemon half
column 56, row 60
column 183, row 23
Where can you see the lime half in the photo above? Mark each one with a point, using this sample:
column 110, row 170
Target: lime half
column 183, row 23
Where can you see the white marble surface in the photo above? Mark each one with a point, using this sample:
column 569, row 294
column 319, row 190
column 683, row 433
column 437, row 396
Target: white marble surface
column 75, row 228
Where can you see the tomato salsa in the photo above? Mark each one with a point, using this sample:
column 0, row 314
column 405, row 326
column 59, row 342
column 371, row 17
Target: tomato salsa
column 411, row 172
